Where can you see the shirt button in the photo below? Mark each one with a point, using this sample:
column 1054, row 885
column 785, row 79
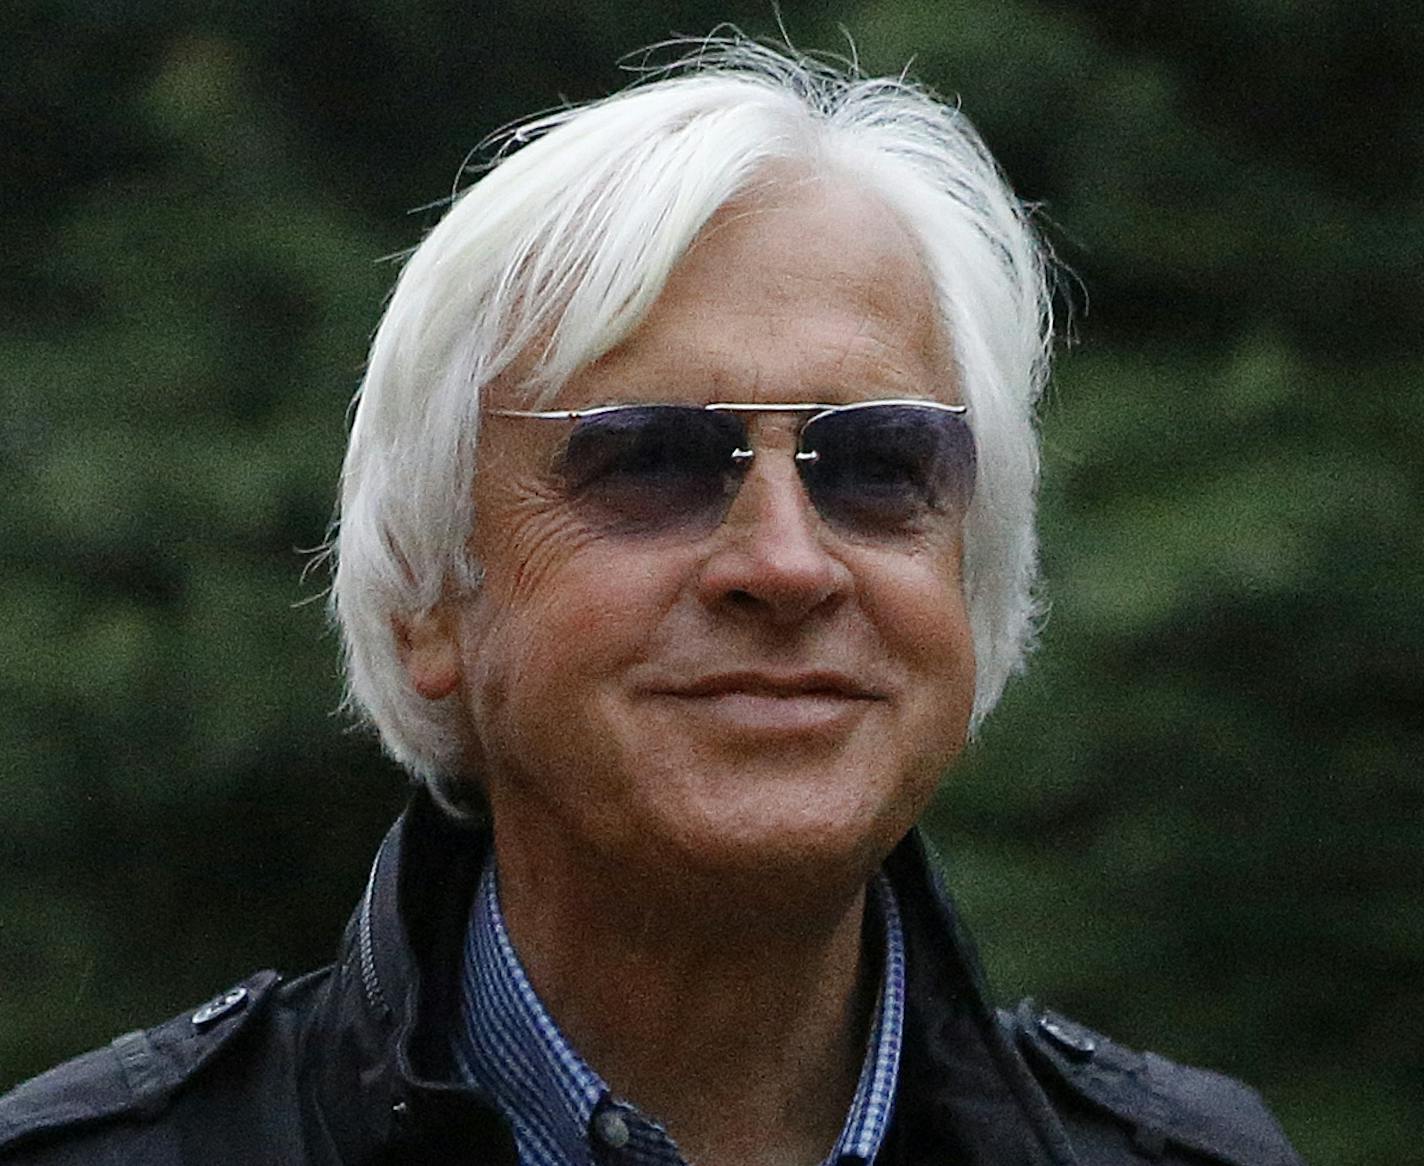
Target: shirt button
column 611, row 1128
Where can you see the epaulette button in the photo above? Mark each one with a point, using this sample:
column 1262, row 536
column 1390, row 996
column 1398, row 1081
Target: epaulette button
column 1076, row 1042
column 215, row 1010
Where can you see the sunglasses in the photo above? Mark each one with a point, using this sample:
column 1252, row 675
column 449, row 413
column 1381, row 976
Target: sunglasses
column 872, row 469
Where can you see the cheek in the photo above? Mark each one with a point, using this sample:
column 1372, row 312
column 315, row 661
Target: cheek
column 921, row 615
column 532, row 646
column 549, row 631
column 918, row 603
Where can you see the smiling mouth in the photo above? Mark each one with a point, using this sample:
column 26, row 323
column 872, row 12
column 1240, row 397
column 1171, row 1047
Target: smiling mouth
column 760, row 686
column 753, row 705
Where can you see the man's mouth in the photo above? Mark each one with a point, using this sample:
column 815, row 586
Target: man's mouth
column 778, row 685
column 775, row 703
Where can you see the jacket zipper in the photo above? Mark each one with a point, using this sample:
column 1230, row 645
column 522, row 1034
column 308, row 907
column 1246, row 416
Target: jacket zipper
column 366, row 940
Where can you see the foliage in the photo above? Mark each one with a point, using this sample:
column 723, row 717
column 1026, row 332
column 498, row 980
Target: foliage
column 1196, row 822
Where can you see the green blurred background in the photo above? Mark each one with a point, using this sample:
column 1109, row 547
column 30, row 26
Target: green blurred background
column 1197, row 823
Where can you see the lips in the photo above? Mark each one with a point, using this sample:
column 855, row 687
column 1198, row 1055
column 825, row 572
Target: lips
column 754, row 708
column 774, row 685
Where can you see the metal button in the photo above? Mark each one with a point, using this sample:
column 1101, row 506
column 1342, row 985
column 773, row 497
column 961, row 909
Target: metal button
column 611, row 1128
column 215, row 1010
column 1076, row 1041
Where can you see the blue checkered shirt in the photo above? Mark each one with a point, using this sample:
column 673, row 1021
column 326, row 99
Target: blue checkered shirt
column 562, row 1112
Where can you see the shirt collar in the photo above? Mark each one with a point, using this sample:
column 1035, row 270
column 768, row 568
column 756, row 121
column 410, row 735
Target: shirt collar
column 509, row 1047
column 869, row 1115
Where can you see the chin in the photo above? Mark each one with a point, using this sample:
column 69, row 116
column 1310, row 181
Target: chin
column 787, row 848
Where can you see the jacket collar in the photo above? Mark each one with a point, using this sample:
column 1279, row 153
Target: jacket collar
column 374, row 1057
column 966, row 1094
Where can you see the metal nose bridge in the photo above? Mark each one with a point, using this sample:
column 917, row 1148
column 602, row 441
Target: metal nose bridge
column 743, row 455
column 759, row 463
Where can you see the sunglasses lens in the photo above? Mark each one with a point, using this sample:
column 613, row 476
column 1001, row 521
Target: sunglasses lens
column 654, row 468
column 885, row 469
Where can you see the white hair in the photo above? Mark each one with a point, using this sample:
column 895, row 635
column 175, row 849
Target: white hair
column 557, row 253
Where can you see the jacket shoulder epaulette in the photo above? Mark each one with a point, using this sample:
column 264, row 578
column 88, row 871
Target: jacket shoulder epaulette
column 1162, row 1104
column 134, row 1075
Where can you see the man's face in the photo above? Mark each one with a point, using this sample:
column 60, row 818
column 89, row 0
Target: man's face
column 772, row 698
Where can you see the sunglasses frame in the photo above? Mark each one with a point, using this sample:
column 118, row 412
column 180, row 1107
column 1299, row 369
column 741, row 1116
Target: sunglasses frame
column 741, row 457
column 816, row 409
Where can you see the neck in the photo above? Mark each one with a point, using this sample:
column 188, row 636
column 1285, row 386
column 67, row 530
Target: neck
column 741, row 1029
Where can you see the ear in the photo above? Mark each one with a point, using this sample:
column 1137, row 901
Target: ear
column 430, row 651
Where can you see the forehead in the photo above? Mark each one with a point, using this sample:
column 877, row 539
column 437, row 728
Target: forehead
column 806, row 289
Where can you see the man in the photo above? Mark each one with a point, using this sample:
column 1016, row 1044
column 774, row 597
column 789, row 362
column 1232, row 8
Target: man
column 686, row 531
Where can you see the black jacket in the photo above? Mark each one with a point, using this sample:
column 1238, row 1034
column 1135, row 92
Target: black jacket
column 349, row 1065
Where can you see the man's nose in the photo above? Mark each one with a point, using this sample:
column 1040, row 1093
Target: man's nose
column 773, row 557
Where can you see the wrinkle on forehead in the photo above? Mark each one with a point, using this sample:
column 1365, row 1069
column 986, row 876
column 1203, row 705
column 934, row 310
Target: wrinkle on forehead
column 843, row 227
